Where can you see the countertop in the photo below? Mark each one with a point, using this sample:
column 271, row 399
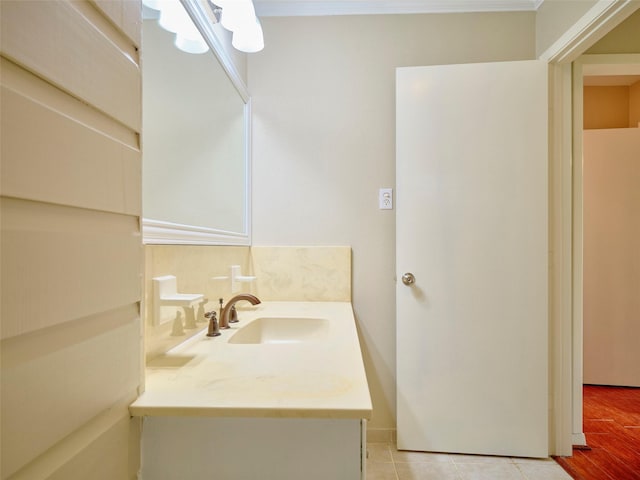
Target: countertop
column 208, row 376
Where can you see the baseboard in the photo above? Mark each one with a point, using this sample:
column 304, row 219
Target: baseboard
column 578, row 439
column 381, row 435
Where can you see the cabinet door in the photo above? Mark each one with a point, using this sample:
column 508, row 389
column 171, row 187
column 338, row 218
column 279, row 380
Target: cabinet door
column 251, row 448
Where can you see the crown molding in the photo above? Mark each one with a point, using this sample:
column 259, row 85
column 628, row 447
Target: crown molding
column 599, row 20
column 286, row 8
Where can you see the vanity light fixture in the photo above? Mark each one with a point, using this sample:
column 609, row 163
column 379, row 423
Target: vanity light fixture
column 249, row 40
column 239, row 17
column 175, row 19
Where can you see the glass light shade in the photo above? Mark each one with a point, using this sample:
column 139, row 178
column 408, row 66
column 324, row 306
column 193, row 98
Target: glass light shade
column 154, row 4
column 250, row 39
column 236, row 14
column 191, row 45
column 174, row 18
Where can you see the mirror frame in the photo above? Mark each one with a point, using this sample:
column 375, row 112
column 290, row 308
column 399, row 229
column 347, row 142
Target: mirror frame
column 162, row 232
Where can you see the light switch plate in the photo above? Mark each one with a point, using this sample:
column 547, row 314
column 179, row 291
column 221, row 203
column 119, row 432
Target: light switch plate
column 385, row 199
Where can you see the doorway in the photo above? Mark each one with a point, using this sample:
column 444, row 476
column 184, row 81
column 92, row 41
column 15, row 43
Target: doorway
column 589, row 66
column 611, row 225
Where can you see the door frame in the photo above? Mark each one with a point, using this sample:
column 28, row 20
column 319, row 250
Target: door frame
column 611, row 64
column 565, row 217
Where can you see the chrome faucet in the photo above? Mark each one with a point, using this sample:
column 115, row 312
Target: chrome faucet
column 226, row 310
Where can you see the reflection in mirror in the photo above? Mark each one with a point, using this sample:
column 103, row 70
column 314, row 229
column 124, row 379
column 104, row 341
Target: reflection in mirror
column 195, row 155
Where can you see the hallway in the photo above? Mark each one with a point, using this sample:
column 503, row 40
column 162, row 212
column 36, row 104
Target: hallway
column 612, row 427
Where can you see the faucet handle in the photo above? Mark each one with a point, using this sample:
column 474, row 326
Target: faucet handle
column 214, row 326
column 233, row 315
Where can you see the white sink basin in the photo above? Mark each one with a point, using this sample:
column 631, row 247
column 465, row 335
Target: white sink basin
column 282, row 330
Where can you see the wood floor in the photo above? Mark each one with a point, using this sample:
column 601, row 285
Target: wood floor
column 612, row 428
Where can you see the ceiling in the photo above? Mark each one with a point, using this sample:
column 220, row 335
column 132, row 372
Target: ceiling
column 285, row 8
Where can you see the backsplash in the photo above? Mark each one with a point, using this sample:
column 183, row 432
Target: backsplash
column 316, row 274
column 282, row 274
column 194, row 267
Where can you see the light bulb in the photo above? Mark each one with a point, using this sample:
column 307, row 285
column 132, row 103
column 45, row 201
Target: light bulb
column 174, row 18
column 191, row 45
column 236, row 14
column 249, row 39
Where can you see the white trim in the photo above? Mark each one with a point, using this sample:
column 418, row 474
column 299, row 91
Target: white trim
column 284, row 8
column 577, row 251
column 560, row 258
column 595, row 24
column 248, row 187
column 579, row 439
column 564, row 446
column 161, row 232
column 204, row 20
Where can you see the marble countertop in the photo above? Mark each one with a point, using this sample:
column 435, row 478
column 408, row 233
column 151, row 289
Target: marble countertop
column 210, row 376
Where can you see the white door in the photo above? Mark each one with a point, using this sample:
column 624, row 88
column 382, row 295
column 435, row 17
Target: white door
column 471, row 180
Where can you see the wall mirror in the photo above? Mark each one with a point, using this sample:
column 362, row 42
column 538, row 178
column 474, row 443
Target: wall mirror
column 196, row 137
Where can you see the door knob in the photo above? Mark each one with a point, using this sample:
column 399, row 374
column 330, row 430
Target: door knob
column 408, row 279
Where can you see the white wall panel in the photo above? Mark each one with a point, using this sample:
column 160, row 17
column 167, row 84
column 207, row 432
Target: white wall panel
column 100, row 172
column 71, row 244
column 40, row 90
column 52, row 387
column 91, row 461
column 74, row 54
column 96, row 451
column 62, row 263
column 123, row 14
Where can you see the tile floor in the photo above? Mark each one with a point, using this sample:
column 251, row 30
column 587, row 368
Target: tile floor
column 385, row 462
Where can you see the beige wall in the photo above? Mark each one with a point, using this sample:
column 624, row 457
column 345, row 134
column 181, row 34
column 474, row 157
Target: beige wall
column 611, row 263
column 324, row 128
column 555, row 17
column 611, row 106
column 634, row 105
column 71, row 250
column 622, row 39
column 606, row 107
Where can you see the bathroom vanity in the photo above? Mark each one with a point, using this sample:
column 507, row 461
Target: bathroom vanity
column 282, row 394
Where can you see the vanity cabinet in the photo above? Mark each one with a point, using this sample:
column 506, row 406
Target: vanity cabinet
column 286, row 405
column 228, row 448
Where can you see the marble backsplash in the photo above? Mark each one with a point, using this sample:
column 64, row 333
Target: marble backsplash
column 282, row 274
column 312, row 274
